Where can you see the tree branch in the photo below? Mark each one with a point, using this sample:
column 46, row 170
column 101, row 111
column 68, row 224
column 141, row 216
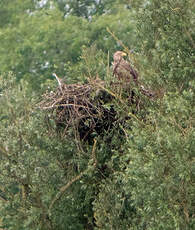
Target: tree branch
column 65, row 187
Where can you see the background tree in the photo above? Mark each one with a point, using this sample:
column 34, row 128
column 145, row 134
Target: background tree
column 42, row 41
column 142, row 176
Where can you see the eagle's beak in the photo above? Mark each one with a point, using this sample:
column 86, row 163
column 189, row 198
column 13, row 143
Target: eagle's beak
column 124, row 54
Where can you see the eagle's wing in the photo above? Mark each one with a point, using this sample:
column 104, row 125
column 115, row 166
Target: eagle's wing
column 126, row 65
column 123, row 70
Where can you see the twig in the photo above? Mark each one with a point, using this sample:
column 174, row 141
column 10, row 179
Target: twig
column 189, row 36
column 58, row 80
column 65, row 187
column 63, row 105
column 119, row 98
column 121, row 43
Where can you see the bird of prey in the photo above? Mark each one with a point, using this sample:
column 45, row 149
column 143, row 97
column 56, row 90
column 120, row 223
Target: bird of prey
column 122, row 69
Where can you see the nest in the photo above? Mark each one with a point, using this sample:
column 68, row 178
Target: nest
column 82, row 108
column 78, row 106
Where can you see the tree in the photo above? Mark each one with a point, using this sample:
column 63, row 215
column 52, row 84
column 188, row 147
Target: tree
column 137, row 175
column 41, row 41
column 156, row 166
column 86, row 9
column 34, row 165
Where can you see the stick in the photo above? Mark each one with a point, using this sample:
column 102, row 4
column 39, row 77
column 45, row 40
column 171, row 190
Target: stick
column 58, row 80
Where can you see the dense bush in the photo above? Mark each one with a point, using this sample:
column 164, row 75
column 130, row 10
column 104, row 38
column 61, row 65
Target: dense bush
column 136, row 176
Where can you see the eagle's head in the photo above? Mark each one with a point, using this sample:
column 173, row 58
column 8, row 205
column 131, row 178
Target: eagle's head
column 118, row 55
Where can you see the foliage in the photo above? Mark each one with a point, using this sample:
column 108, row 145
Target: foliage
column 136, row 176
column 167, row 39
column 42, row 41
column 87, row 8
column 31, row 163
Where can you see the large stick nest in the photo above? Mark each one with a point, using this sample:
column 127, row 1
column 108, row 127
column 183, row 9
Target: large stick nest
column 78, row 106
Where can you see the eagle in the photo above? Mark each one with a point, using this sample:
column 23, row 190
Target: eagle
column 122, row 69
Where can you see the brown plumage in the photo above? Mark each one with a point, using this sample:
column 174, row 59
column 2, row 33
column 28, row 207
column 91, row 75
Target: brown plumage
column 122, row 69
